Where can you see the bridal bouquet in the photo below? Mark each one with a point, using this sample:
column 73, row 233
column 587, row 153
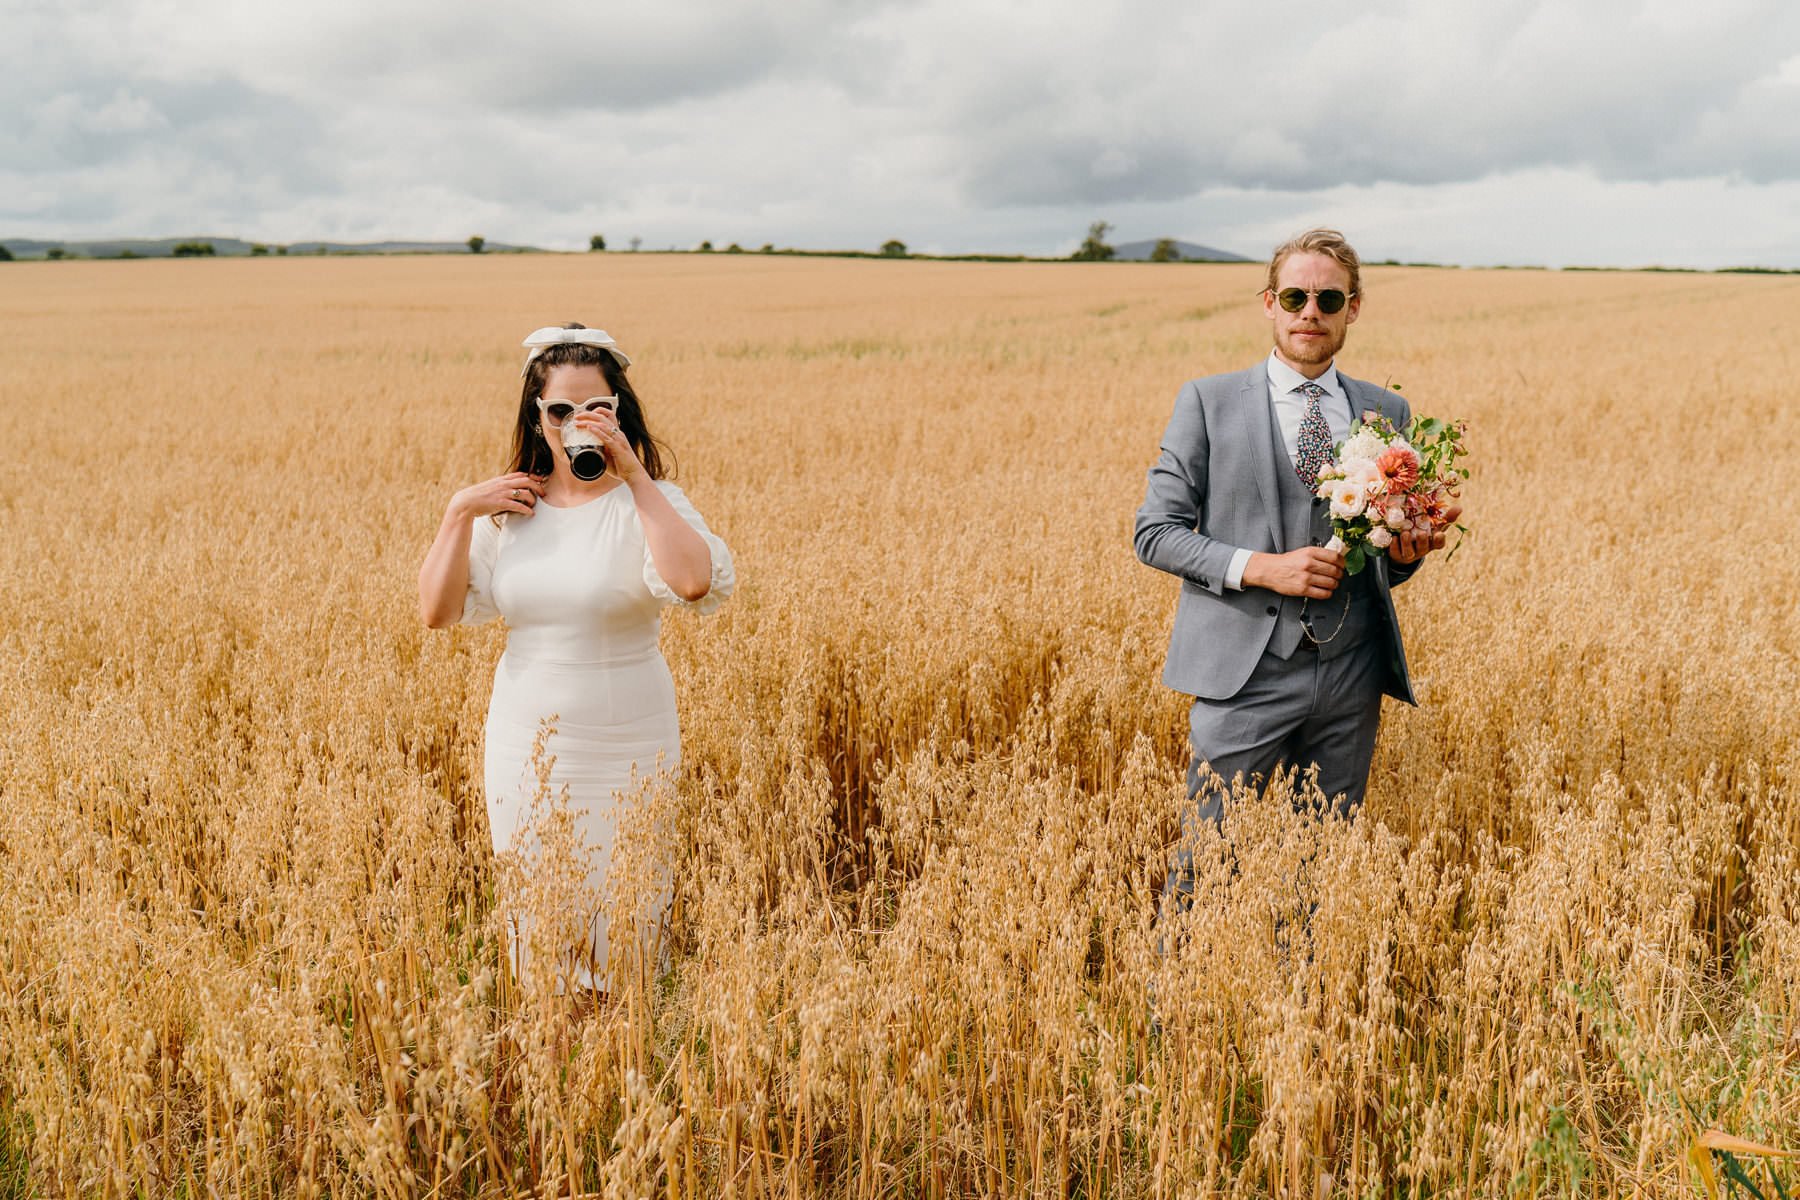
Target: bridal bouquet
column 1386, row 482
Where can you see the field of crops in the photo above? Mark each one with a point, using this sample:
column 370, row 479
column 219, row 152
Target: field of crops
column 248, row 931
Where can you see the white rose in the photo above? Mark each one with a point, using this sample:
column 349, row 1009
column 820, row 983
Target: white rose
column 1335, row 545
column 1396, row 517
column 1365, row 475
column 1347, row 500
column 1381, row 537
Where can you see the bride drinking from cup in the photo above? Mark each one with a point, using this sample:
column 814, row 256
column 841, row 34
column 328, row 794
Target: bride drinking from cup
column 579, row 549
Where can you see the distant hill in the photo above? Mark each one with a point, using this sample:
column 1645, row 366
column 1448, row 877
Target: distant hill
column 226, row 247
column 1189, row 251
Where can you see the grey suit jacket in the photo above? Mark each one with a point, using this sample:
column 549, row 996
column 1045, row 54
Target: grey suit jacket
column 1213, row 491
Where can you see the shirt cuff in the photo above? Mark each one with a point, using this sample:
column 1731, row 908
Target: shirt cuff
column 1234, row 574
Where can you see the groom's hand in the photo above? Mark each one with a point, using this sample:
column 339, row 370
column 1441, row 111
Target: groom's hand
column 1410, row 547
column 1311, row 571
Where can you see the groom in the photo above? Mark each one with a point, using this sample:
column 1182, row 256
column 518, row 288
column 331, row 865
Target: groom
column 1286, row 656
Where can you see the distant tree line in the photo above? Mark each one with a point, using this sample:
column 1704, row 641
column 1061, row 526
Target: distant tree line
column 1094, row 248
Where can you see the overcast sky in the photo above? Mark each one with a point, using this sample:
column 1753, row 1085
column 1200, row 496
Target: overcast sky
column 1622, row 132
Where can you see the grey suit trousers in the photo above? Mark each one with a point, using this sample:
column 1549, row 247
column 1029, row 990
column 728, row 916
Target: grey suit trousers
column 1291, row 713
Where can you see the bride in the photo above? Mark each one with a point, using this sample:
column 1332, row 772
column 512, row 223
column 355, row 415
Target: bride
column 580, row 562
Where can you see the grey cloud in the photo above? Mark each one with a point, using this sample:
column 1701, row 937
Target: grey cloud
column 218, row 126
column 551, row 72
column 1081, row 169
column 1400, row 99
column 624, row 57
column 124, row 144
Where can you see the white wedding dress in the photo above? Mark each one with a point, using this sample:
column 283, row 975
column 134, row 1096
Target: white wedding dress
column 582, row 602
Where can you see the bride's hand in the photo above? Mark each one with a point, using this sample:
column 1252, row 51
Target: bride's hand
column 613, row 443
column 517, row 492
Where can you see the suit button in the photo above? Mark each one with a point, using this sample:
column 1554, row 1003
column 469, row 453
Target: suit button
column 1273, row 610
column 1318, row 500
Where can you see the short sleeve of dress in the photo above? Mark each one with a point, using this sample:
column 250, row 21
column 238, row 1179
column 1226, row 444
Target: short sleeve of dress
column 484, row 548
column 724, row 575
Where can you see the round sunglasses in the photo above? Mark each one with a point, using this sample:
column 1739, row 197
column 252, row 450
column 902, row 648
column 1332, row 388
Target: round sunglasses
column 1331, row 300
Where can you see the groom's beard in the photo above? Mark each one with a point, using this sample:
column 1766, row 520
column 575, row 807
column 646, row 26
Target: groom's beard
column 1312, row 350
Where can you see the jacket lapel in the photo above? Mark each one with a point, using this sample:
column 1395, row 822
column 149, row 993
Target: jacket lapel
column 1364, row 396
column 1260, row 435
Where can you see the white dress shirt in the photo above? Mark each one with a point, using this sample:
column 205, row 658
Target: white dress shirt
column 1289, row 405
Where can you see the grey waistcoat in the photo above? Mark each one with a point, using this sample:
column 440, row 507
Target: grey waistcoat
column 1306, row 521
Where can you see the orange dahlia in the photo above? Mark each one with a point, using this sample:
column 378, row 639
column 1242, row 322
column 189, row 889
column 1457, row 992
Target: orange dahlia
column 1399, row 467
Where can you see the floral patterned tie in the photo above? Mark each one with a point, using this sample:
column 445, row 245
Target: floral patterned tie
column 1313, row 448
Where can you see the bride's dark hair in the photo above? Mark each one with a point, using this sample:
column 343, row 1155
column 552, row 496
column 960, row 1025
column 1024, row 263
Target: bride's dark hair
column 531, row 453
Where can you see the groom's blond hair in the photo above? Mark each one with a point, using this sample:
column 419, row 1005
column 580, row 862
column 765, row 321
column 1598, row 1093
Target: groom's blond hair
column 1328, row 242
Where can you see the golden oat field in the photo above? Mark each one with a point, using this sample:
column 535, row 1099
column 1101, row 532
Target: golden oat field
column 931, row 783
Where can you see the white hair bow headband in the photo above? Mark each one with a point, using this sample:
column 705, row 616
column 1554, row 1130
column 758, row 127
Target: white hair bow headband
column 556, row 335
